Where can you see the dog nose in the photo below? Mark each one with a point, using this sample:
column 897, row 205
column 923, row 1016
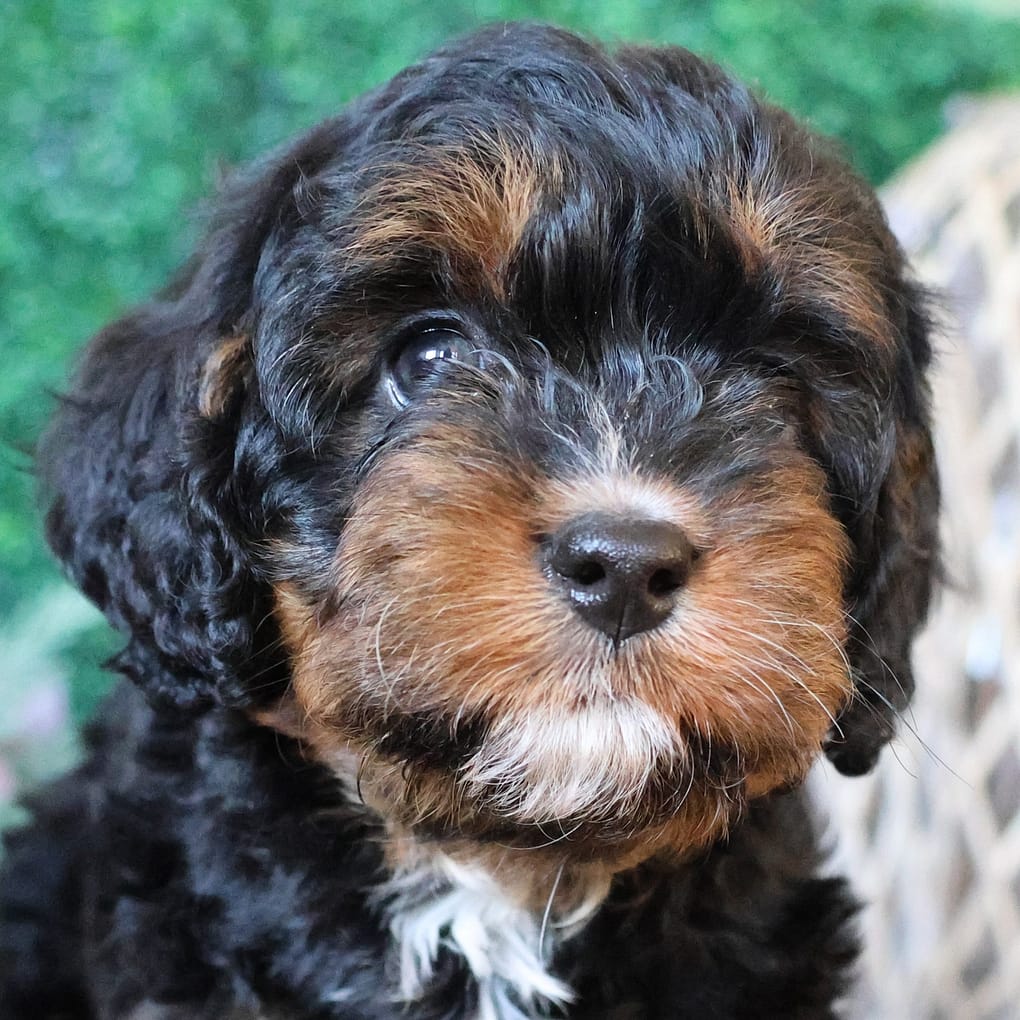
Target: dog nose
column 622, row 576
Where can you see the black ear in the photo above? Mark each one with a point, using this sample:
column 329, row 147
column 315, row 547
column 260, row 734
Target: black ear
column 136, row 513
column 896, row 561
column 138, row 467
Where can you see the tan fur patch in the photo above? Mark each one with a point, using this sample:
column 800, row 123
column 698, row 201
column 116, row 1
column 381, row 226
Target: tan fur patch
column 221, row 375
column 911, row 482
column 802, row 237
column 471, row 205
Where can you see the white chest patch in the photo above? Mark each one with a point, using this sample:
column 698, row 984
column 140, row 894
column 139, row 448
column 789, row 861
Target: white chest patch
column 462, row 909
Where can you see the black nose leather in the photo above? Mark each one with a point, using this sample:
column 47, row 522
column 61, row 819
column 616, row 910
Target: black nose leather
column 622, row 575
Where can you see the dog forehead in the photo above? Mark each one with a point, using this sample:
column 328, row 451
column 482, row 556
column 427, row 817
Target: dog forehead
column 468, row 146
column 588, row 195
column 698, row 190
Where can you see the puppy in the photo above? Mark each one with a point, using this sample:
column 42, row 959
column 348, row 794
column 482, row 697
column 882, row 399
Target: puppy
column 526, row 481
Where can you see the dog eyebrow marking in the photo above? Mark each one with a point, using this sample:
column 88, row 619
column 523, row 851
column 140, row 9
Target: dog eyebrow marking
column 469, row 203
column 784, row 224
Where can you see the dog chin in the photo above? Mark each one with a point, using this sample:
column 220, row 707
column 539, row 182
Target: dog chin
column 607, row 783
column 594, row 763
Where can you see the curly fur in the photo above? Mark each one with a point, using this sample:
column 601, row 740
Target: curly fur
column 321, row 799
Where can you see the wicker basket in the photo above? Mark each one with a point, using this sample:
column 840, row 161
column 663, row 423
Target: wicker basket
column 932, row 839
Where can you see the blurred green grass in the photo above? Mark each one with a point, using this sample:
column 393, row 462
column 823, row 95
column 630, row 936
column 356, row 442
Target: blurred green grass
column 120, row 115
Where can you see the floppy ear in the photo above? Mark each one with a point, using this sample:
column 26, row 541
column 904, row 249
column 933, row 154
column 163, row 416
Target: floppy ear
column 145, row 511
column 122, row 519
column 897, row 558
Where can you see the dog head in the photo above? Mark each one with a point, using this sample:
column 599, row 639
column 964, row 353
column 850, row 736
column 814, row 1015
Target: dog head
column 546, row 435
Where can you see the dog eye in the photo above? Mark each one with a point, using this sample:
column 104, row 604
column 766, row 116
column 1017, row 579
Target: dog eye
column 422, row 353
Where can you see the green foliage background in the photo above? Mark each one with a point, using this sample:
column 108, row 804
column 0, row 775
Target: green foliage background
column 118, row 116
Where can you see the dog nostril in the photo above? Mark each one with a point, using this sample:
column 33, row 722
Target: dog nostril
column 666, row 581
column 588, row 573
column 621, row 575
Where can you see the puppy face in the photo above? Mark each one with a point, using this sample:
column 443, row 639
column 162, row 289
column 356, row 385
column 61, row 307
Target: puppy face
column 550, row 445
column 466, row 664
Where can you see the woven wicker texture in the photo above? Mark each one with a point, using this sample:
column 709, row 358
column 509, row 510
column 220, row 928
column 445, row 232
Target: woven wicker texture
column 932, row 839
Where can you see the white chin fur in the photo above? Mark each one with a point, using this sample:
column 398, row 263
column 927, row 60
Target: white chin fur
column 593, row 762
